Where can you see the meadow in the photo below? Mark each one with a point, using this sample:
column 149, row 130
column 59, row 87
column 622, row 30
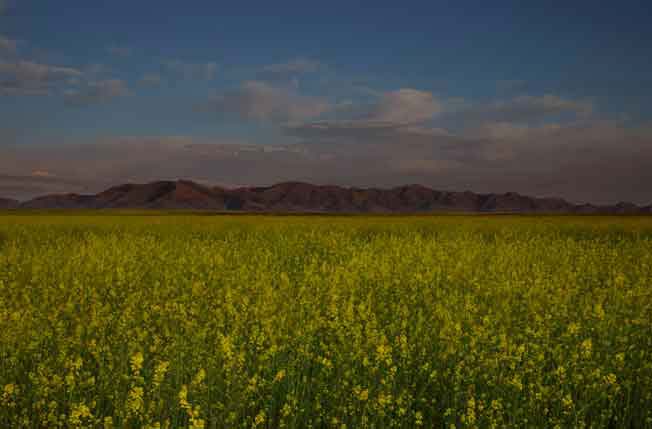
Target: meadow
column 174, row 321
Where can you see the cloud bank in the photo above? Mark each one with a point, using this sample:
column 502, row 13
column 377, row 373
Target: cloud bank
column 600, row 162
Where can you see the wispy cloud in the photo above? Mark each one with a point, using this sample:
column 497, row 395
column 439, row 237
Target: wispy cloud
column 523, row 109
column 409, row 115
column 290, row 68
column 191, row 71
column 28, row 70
column 119, row 51
column 32, row 185
column 7, row 45
column 151, row 80
column 81, row 86
column 96, row 92
column 96, row 69
column 510, row 85
column 392, row 116
column 30, row 78
column 259, row 101
column 406, row 106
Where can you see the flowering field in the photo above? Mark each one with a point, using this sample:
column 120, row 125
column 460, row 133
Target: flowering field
column 344, row 322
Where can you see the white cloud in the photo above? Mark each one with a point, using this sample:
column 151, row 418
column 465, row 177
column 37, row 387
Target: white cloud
column 260, row 101
column 406, row 106
column 30, row 78
column 27, row 70
column 96, row 92
column 394, row 116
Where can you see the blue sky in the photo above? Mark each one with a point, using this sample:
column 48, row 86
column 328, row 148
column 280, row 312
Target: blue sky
column 83, row 73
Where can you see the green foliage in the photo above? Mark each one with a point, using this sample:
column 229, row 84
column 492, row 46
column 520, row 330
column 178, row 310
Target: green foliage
column 297, row 322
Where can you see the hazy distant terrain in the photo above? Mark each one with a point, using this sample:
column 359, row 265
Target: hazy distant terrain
column 305, row 197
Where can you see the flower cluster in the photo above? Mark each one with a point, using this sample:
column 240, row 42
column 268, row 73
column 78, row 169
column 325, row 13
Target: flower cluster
column 178, row 321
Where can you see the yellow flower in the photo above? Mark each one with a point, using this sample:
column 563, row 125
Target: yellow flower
column 599, row 311
column 470, row 412
column 9, row 389
column 610, row 379
column 620, row 359
column 199, row 377
column 586, row 348
column 361, row 394
column 196, row 423
column 260, row 418
column 516, row 382
column 183, row 397
column 79, row 412
column 384, row 399
column 279, row 376
column 567, row 402
column 573, row 328
column 159, row 373
column 135, row 402
column 418, row 418
column 137, row 362
column 286, row 410
column 384, row 352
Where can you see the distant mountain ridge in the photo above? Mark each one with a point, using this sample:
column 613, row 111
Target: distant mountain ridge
column 294, row 197
column 8, row 203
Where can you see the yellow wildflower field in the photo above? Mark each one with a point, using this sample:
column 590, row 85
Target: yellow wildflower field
column 177, row 320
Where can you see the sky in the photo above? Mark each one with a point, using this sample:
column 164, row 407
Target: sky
column 551, row 99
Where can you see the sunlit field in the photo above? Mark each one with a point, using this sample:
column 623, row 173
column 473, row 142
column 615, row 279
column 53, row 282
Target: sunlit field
column 171, row 321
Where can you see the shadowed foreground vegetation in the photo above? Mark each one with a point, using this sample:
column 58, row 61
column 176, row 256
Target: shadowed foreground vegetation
column 343, row 322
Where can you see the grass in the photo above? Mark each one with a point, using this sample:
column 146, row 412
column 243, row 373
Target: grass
column 179, row 320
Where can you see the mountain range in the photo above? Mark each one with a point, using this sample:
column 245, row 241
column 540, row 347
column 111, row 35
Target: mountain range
column 304, row 197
